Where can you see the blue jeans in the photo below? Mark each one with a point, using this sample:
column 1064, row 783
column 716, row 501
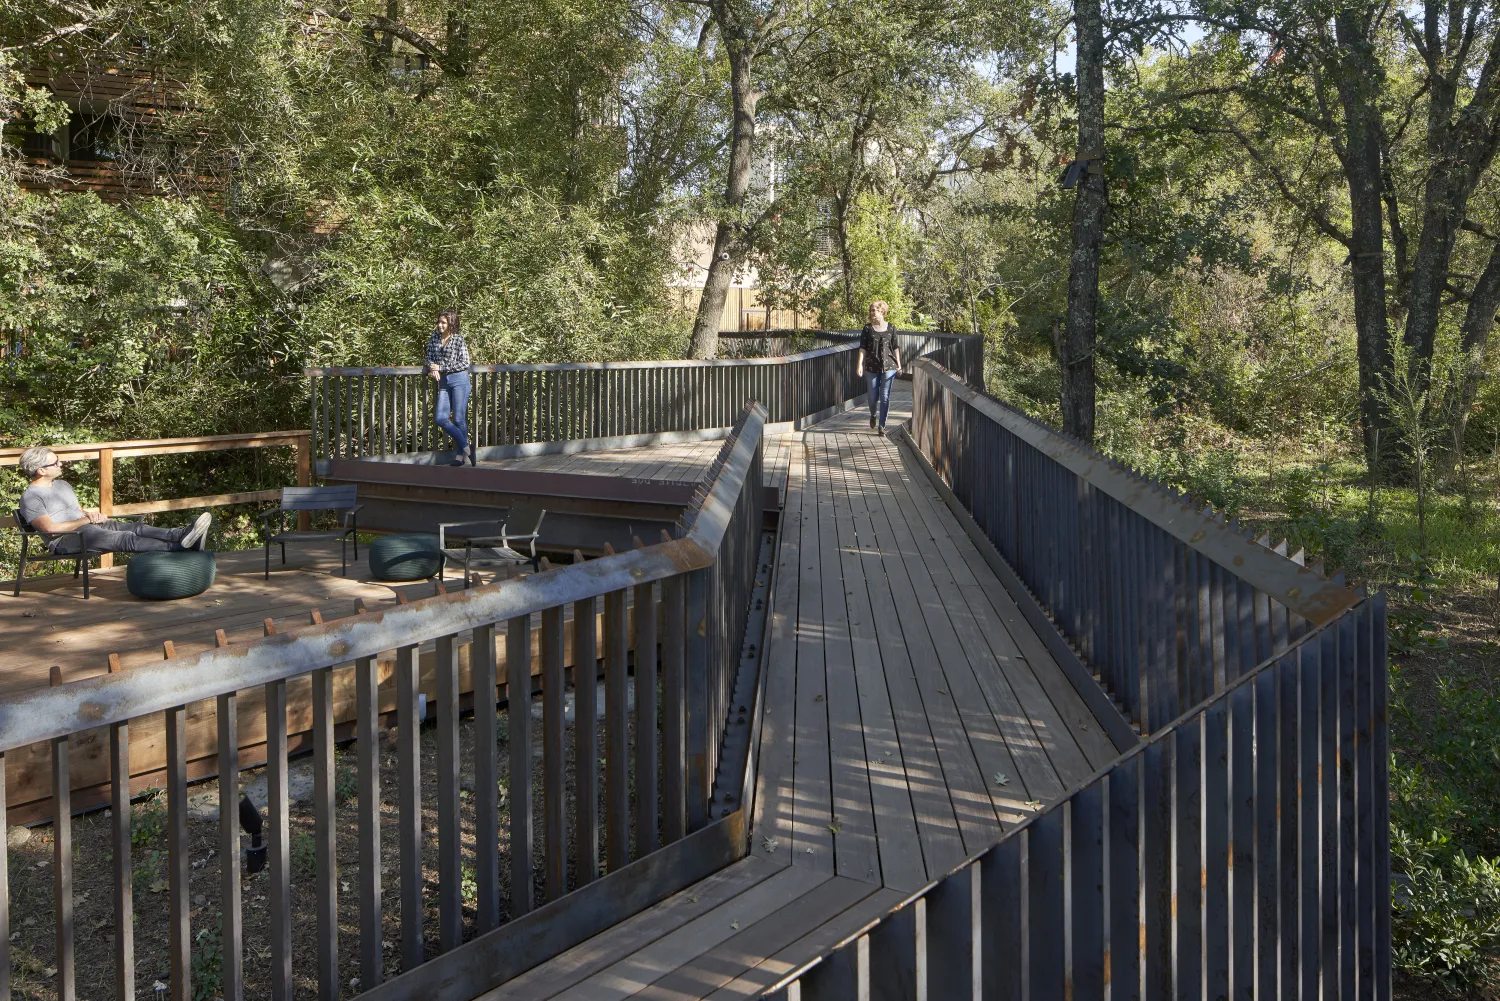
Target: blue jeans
column 879, row 393
column 453, row 408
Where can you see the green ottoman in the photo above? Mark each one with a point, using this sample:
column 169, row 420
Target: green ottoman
column 413, row 556
column 178, row 573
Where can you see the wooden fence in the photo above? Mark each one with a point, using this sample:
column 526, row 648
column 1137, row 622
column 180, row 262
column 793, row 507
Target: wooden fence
column 384, row 412
column 1243, row 850
column 662, row 837
column 106, row 452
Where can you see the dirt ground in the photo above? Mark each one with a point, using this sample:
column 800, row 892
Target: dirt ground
column 31, row 882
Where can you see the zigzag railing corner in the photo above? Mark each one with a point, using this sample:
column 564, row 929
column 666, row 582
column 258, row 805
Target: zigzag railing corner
column 672, row 615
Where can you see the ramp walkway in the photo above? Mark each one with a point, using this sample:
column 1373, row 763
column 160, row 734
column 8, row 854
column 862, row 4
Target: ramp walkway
column 911, row 718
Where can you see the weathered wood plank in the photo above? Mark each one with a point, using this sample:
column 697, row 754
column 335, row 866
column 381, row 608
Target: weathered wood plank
column 853, row 822
column 931, row 644
column 811, row 843
column 900, row 849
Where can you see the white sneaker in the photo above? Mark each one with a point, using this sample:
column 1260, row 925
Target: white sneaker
column 195, row 535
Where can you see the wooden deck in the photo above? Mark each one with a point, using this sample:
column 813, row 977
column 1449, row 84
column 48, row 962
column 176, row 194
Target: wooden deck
column 911, row 717
column 51, row 623
column 683, row 462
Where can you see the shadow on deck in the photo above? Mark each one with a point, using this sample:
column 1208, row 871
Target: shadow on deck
column 911, row 718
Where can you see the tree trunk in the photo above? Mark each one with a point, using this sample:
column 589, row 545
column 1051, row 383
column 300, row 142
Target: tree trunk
column 841, row 208
column 729, row 244
column 1479, row 321
column 1367, row 244
column 1075, row 348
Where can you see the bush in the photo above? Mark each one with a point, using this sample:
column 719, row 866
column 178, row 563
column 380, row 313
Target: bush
column 1445, row 909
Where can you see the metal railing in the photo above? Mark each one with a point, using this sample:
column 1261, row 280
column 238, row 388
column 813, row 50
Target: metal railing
column 1165, row 603
column 1242, row 850
column 378, row 412
column 686, row 598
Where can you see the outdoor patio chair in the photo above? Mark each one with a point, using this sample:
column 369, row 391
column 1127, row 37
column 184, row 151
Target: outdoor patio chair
column 523, row 523
column 341, row 499
column 45, row 555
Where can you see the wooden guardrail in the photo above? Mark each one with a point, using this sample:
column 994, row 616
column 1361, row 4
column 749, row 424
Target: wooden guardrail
column 107, row 452
column 651, row 846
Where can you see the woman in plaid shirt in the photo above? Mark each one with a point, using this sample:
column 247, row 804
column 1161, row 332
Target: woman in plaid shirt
column 448, row 364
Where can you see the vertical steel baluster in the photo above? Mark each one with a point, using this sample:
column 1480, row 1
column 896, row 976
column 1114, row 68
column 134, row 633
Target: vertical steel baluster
column 324, row 833
column 554, row 794
column 617, row 731
column 409, row 803
column 646, row 823
column 586, row 739
column 518, row 715
column 486, row 781
column 367, row 722
column 279, row 834
column 231, row 929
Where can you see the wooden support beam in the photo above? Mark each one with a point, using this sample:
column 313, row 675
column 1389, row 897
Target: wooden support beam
column 106, row 496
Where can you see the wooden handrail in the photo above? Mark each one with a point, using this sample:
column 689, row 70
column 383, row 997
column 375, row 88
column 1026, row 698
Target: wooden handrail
column 106, row 452
column 163, row 446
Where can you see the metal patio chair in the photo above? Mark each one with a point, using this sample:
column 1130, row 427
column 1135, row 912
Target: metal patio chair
column 523, row 523
column 340, row 498
column 44, row 553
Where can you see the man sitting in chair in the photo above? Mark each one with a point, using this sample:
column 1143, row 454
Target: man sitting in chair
column 49, row 505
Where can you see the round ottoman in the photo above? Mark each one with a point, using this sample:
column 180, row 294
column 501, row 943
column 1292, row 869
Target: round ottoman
column 176, row 574
column 412, row 556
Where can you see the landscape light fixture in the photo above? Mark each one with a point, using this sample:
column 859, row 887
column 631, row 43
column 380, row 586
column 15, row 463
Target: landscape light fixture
column 251, row 824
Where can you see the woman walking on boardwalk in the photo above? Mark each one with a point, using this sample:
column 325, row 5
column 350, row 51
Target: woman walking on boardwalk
column 448, row 364
column 879, row 362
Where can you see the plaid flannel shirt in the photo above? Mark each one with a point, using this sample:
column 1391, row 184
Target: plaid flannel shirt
column 450, row 357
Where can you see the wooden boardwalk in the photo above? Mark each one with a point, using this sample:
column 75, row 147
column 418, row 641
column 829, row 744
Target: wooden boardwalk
column 911, row 717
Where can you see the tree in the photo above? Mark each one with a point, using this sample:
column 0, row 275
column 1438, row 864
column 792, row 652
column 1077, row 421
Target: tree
column 1410, row 116
column 1075, row 346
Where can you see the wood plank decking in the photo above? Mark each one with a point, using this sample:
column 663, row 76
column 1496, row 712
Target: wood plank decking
column 911, row 717
column 683, row 462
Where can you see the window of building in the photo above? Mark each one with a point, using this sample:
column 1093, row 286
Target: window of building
column 93, row 136
column 32, row 142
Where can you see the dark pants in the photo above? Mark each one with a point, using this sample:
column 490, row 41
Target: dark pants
column 124, row 537
column 453, row 408
column 879, row 393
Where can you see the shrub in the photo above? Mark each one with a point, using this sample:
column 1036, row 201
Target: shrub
column 1445, row 909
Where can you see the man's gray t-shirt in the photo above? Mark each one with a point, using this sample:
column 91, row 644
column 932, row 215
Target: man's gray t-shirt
column 56, row 500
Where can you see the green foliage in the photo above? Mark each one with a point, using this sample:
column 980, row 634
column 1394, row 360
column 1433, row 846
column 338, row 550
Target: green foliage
column 148, row 818
column 1445, row 831
column 876, row 243
column 1410, row 623
column 208, row 962
column 346, row 778
column 304, row 854
column 1445, row 913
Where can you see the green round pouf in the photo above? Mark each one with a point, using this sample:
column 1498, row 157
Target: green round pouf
column 412, row 556
column 162, row 576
